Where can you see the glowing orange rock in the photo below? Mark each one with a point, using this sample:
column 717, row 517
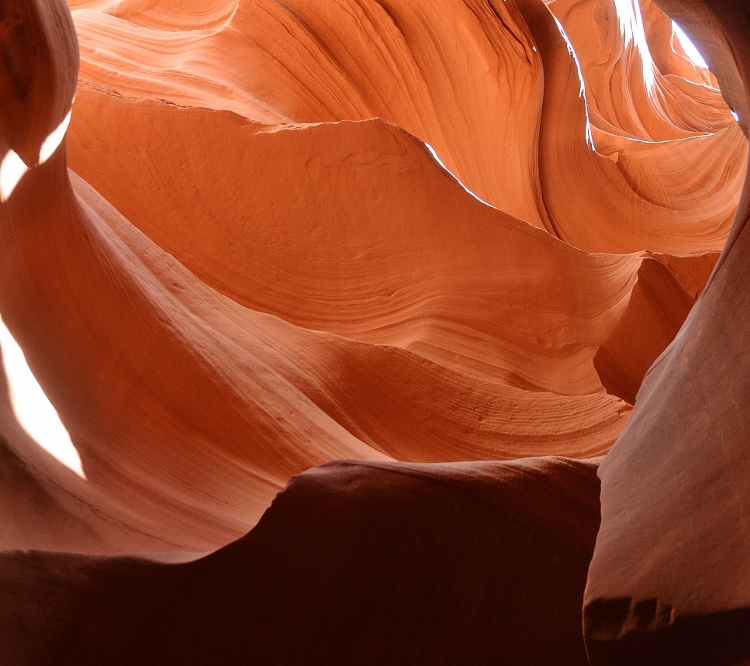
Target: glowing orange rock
column 258, row 263
column 668, row 581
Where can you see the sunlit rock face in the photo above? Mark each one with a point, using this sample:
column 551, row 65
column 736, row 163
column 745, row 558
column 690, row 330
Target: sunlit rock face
column 402, row 267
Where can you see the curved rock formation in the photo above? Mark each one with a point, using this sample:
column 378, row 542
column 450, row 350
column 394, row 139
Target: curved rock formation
column 491, row 89
column 443, row 239
column 667, row 583
column 354, row 561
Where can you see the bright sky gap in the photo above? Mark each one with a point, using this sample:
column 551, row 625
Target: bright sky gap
column 32, row 409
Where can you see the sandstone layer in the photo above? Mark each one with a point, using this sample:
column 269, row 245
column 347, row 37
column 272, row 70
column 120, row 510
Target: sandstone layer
column 440, row 241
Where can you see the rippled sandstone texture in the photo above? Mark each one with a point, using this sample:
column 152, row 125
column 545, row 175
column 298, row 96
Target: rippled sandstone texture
column 443, row 240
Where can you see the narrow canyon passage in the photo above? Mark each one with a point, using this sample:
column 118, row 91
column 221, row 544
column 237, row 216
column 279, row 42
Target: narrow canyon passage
column 322, row 322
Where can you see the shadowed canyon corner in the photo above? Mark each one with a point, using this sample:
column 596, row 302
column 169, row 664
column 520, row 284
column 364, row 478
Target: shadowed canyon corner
column 374, row 332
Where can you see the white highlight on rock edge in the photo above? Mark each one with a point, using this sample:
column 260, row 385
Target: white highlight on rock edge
column 13, row 169
column 458, row 180
column 33, row 409
column 631, row 27
column 689, row 47
column 582, row 89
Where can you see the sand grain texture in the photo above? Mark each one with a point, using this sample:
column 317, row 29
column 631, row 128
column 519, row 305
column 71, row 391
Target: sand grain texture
column 417, row 258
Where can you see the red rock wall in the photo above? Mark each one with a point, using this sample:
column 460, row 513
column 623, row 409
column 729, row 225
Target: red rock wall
column 425, row 236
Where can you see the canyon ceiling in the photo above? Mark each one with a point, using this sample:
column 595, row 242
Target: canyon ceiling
column 374, row 331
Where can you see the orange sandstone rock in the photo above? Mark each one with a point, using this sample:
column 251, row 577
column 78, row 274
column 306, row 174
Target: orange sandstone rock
column 668, row 580
column 259, row 263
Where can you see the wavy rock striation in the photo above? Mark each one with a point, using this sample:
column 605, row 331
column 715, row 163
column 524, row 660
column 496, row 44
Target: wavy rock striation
column 667, row 582
column 443, row 240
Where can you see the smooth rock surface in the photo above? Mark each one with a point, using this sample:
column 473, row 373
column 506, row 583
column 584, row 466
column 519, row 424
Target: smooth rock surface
column 444, row 240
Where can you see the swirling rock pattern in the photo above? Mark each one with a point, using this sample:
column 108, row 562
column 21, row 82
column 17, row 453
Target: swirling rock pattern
column 685, row 599
column 444, row 240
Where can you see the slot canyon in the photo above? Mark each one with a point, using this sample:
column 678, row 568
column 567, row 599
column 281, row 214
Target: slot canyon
column 374, row 332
